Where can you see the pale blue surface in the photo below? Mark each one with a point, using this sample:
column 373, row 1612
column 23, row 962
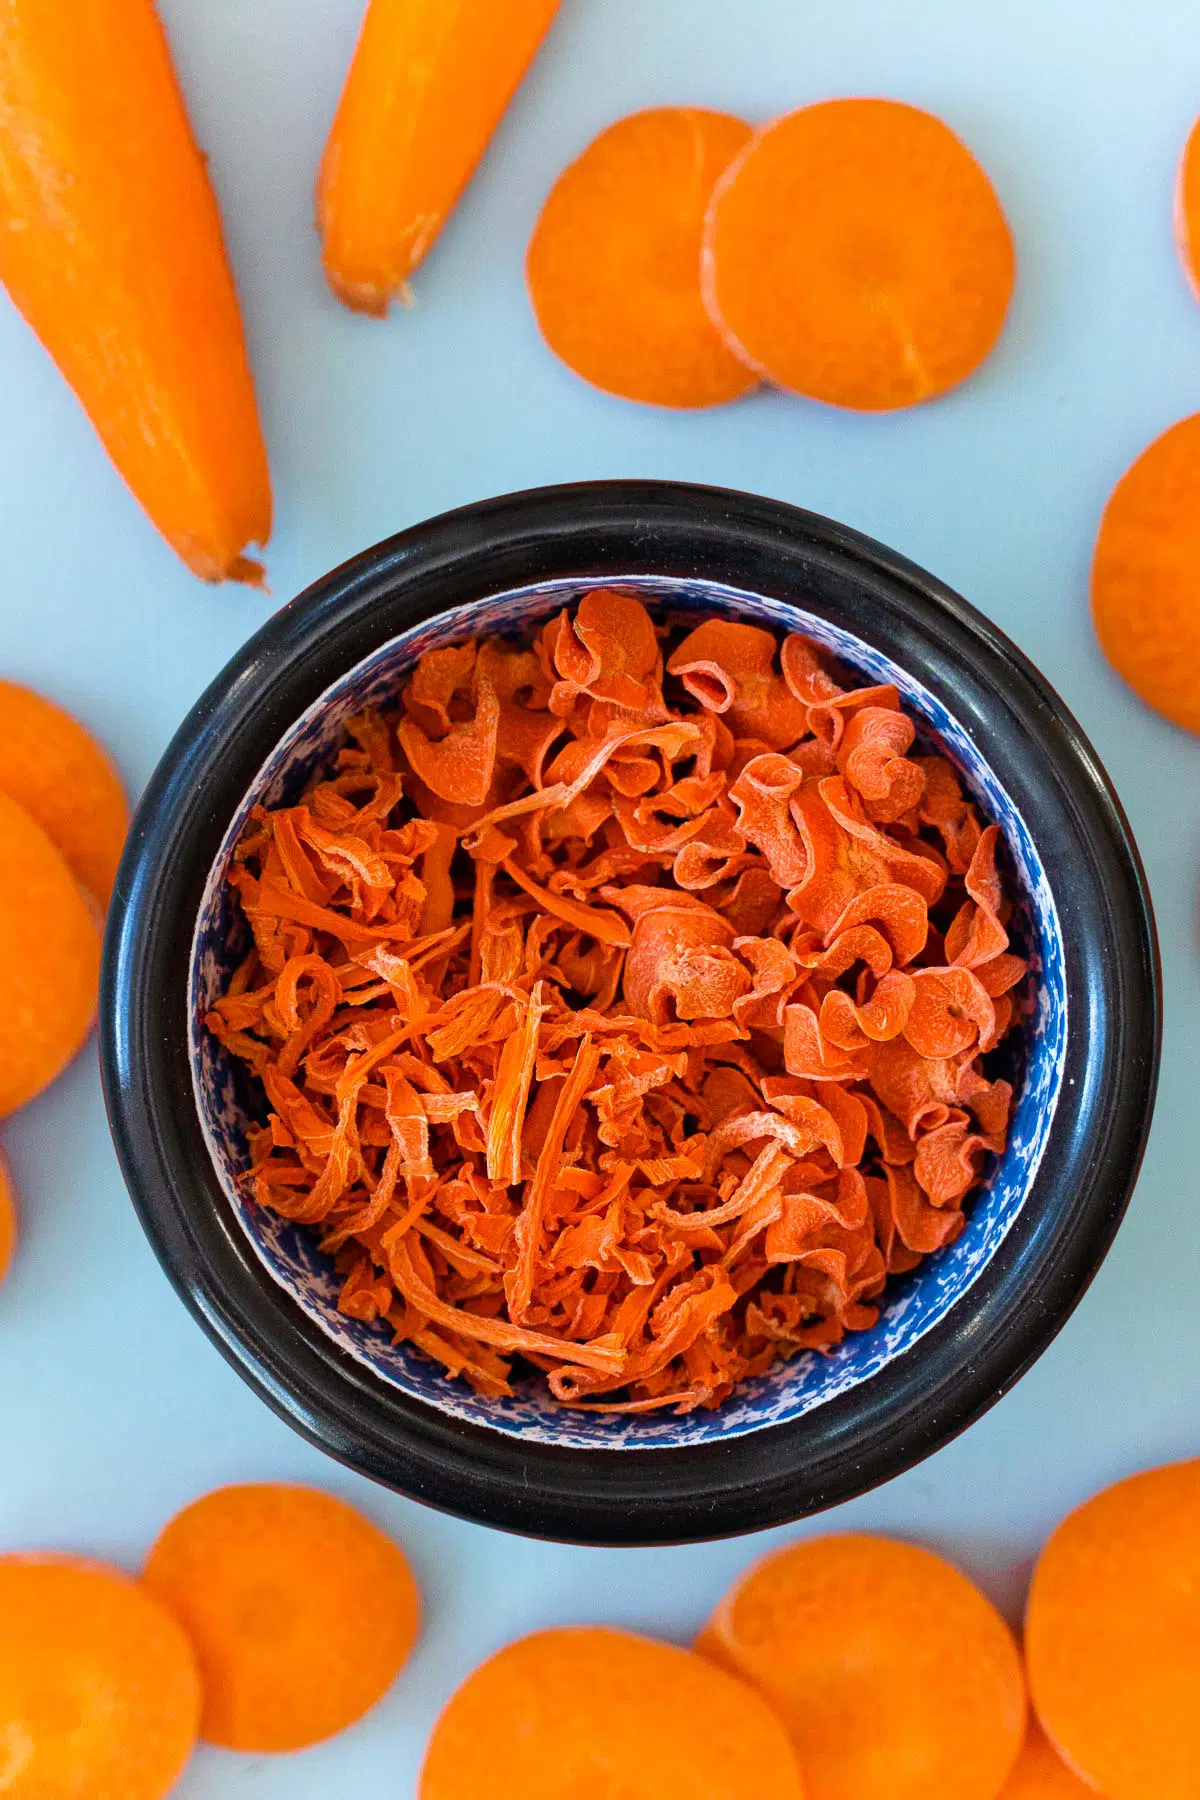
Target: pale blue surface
column 113, row 1407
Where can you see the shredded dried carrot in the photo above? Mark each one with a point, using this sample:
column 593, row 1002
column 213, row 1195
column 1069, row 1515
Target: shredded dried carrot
column 614, row 262
column 99, row 1694
column 590, row 1711
column 300, row 1610
column 8, row 1217
column 1041, row 1773
column 1146, row 575
column 49, row 959
column 1111, row 1640
column 637, row 1034
column 854, row 1641
column 856, row 252
column 58, row 772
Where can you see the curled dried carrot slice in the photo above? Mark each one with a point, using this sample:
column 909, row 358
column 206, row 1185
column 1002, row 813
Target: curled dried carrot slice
column 300, row 1610
column 614, row 262
column 856, row 252
column 590, row 1710
column 850, row 1639
column 627, row 1040
column 1110, row 1638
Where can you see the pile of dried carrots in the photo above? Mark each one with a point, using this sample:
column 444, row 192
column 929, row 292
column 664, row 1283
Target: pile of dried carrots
column 623, row 1004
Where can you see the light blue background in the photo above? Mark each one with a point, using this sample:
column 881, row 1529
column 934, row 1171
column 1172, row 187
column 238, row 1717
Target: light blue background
column 114, row 1410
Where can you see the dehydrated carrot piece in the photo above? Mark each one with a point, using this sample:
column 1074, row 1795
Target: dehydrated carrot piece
column 49, row 959
column 613, row 266
column 8, row 1216
column 1041, row 1773
column 1110, row 1637
column 426, row 89
column 856, row 252
column 850, row 1639
column 458, row 766
column 1146, row 575
column 301, row 1611
column 99, row 1693
column 730, row 668
column 587, row 1709
column 56, row 770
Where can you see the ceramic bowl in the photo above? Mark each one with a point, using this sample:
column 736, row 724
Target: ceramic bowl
column 952, row 1335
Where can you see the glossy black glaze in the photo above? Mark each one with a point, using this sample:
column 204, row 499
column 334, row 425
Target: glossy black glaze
column 1015, row 1305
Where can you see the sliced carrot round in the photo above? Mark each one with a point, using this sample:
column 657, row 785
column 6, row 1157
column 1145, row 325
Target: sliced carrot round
column 8, row 1217
column 1112, row 1637
column 1187, row 209
column 1041, row 1773
column 1146, row 575
column 64, row 779
column 856, row 252
column 614, row 262
column 301, row 1611
column 49, row 959
column 99, row 1694
column 855, row 1641
column 587, row 1710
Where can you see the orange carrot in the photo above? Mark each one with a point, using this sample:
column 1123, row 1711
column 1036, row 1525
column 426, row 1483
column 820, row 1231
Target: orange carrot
column 1146, row 575
column 8, row 1217
column 65, row 780
column 427, row 87
column 49, row 959
column 893, row 1674
column 1041, row 1773
column 614, row 262
column 300, row 1610
column 99, row 1695
column 1111, row 1637
column 112, row 249
column 856, row 252
column 586, row 1710
column 1187, row 209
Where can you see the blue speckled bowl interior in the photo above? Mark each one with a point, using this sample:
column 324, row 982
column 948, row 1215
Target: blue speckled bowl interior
column 913, row 1304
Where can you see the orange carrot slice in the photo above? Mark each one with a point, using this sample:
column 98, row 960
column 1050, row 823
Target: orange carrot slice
column 58, row 772
column 1187, row 209
column 856, row 252
column 853, row 1640
column 614, row 262
column 427, row 87
column 1146, row 575
column 8, row 1217
column 49, row 959
column 112, row 249
column 1041, row 1773
column 301, row 1611
column 1111, row 1639
column 99, row 1694
column 586, row 1710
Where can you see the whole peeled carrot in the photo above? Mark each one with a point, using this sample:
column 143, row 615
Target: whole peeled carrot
column 111, row 246
column 428, row 84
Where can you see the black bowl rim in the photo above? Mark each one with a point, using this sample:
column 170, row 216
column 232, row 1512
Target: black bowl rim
column 1014, row 1307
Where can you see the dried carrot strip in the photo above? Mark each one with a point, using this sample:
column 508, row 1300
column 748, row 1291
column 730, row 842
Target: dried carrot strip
column 99, row 1693
column 49, row 960
column 590, row 1710
column 1146, row 575
column 8, row 1216
column 1041, row 1773
column 56, row 770
column 301, row 1611
column 558, row 1100
column 856, row 252
column 427, row 87
column 851, row 1640
column 1110, row 1637
column 613, row 266
column 112, row 250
